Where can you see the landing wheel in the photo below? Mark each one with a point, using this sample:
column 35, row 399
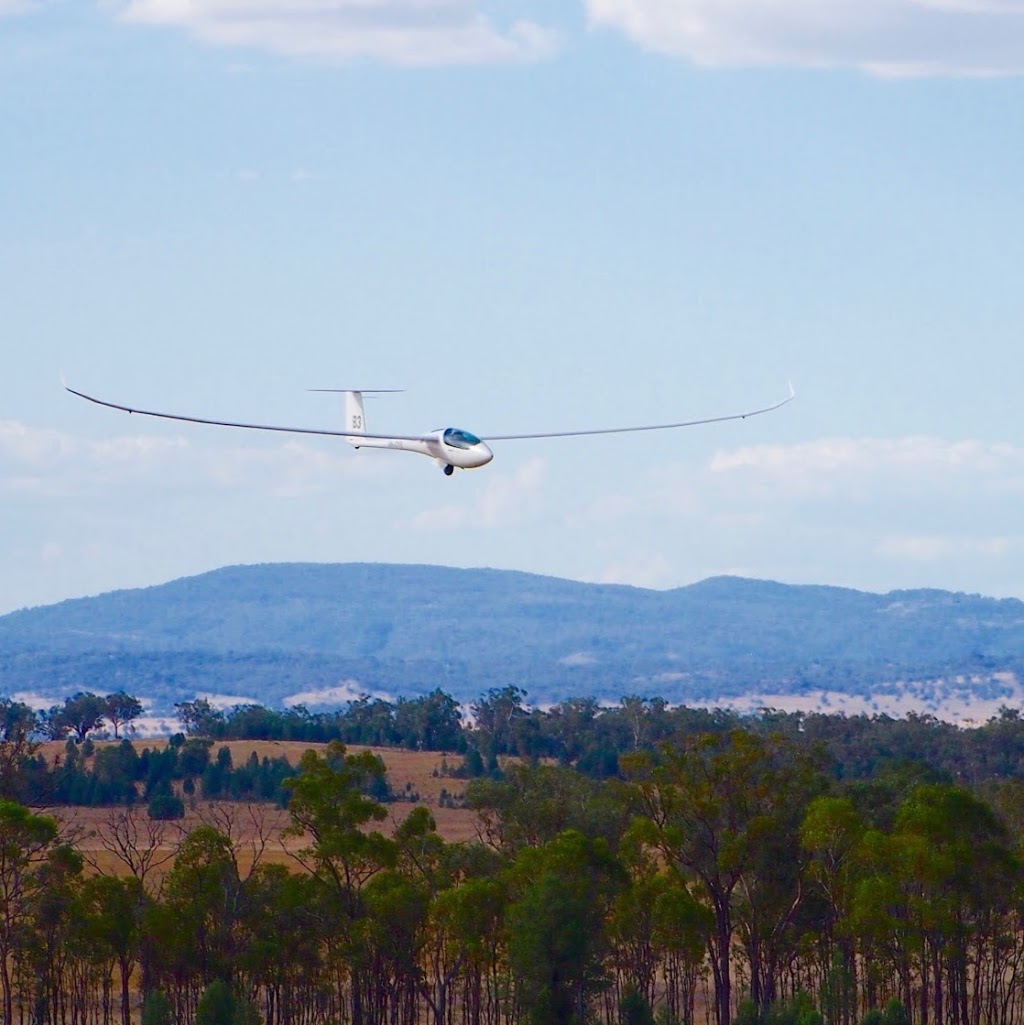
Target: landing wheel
column 448, row 469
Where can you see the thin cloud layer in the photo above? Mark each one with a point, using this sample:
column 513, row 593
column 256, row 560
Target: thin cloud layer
column 837, row 465
column 39, row 462
column 507, row 500
column 18, row 6
column 408, row 32
column 867, row 512
column 881, row 37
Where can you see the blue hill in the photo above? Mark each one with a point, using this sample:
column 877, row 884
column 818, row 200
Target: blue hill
column 270, row 631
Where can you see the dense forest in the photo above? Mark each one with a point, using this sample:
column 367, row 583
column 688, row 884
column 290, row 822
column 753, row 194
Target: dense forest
column 634, row 864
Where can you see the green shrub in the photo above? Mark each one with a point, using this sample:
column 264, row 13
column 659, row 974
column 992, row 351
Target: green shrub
column 166, row 806
column 156, row 1009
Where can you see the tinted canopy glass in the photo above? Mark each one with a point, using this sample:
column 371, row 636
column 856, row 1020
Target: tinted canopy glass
column 460, row 439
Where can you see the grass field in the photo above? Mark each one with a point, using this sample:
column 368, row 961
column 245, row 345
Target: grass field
column 257, row 828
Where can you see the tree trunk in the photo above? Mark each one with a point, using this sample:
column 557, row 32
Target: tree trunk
column 722, row 968
column 126, row 1006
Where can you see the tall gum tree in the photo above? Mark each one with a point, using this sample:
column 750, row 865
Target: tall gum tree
column 26, row 841
column 330, row 807
column 557, row 941
column 708, row 805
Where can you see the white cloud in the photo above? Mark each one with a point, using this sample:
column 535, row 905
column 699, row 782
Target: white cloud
column 578, row 658
column 19, row 6
column 506, row 500
column 882, row 37
column 864, row 512
column 51, row 553
column 408, row 32
column 38, row 462
column 638, row 571
column 936, row 547
column 830, row 464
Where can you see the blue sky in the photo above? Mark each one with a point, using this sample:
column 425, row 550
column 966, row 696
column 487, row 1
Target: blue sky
column 530, row 216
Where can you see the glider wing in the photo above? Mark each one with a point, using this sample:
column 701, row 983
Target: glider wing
column 645, row 427
column 252, row 427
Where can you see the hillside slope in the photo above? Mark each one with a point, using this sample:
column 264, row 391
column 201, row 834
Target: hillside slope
column 267, row 632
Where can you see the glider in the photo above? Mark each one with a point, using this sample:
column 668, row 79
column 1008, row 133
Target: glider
column 449, row 447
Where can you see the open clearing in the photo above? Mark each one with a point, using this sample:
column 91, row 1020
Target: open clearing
column 415, row 778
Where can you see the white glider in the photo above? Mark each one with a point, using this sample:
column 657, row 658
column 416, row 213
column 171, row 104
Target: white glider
column 449, row 447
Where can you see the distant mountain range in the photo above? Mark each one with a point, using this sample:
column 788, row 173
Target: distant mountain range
column 267, row 633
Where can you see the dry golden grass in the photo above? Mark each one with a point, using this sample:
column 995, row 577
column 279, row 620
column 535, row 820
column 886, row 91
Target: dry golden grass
column 257, row 828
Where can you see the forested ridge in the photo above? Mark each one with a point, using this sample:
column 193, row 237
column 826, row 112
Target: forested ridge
column 273, row 632
column 633, row 864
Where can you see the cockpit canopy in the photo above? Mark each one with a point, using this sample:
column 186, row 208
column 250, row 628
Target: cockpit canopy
column 456, row 438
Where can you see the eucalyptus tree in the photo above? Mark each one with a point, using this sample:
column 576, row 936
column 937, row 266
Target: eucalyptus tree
column 84, row 712
column 26, row 842
column 961, row 875
column 773, row 907
column 462, row 955
column 533, row 804
column 284, row 933
column 557, row 941
column 121, row 709
column 658, row 931
column 831, row 833
column 432, row 722
column 49, row 948
column 709, row 805
column 391, row 935
column 572, row 726
column 111, row 916
column 331, row 809
column 18, row 724
column 497, row 717
column 456, row 938
column 199, row 718
column 203, row 893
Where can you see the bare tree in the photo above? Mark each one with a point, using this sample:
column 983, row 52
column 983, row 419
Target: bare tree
column 249, row 827
column 137, row 842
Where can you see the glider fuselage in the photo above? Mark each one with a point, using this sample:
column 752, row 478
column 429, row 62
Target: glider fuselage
column 450, row 446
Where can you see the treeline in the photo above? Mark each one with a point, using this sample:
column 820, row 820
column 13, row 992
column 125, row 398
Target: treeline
column 593, row 738
column 725, row 877
column 581, row 733
column 105, row 775
column 433, row 722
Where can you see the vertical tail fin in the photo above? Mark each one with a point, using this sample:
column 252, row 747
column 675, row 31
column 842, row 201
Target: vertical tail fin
column 355, row 418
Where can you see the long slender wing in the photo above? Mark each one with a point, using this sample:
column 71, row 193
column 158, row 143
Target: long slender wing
column 645, row 427
column 252, row 427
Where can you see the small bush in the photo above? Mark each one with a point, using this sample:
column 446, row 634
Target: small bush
column 166, row 806
column 895, row 1013
column 156, row 1009
column 634, row 1008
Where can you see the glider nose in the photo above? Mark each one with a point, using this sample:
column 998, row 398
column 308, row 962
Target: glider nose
column 484, row 455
